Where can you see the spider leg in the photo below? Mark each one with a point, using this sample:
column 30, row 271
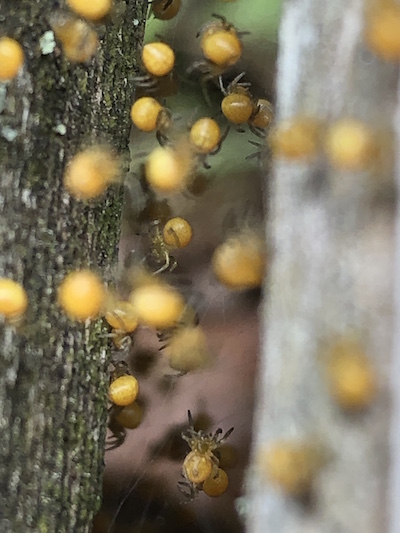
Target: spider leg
column 145, row 82
column 173, row 264
column 165, row 266
column 216, row 434
column 223, row 439
column 259, row 132
column 189, row 490
column 205, row 91
column 221, row 86
column 222, row 19
column 223, row 137
column 142, row 78
column 159, row 36
column 255, row 154
column 206, row 165
column 255, row 143
column 177, row 375
column 120, row 368
column 161, row 138
column 236, row 80
column 118, row 432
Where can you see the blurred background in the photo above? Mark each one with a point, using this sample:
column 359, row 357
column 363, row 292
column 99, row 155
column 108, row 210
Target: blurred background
column 140, row 492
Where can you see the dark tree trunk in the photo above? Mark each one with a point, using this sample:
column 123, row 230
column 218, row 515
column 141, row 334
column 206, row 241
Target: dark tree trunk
column 53, row 373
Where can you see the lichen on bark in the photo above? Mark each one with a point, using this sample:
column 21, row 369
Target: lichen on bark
column 53, row 373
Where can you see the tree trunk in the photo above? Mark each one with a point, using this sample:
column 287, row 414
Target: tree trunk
column 332, row 273
column 53, row 373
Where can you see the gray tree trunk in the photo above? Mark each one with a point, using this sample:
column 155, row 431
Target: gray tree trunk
column 333, row 241
column 53, row 373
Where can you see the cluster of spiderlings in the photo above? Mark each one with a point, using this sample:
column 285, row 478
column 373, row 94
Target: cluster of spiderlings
column 82, row 295
column 239, row 106
column 201, row 466
column 170, row 171
column 348, row 144
column 152, row 303
column 172, row 168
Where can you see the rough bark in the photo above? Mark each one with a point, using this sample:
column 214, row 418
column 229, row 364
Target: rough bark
column 53, row 373
column 332, row 237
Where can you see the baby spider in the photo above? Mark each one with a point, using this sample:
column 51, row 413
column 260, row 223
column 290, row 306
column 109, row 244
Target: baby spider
column 262, row 118
column 158, row 304
column 206, row 139
column 122, row 317
column 170, row 169
column 165, row 9
column 176, row 233
column 220, row 42
column 13, row 300
column 124, row 387
column 149, row 115
column 239, row 262
column 221, row 46
column 217, row 483
column 237, row 104
column 79, row 41
column 186, row 348
column 189, row 490
column 120, row 419
column 198, row 464
column 160, row 251
column 154, row 209
column 158, row 60
column 118, row 432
